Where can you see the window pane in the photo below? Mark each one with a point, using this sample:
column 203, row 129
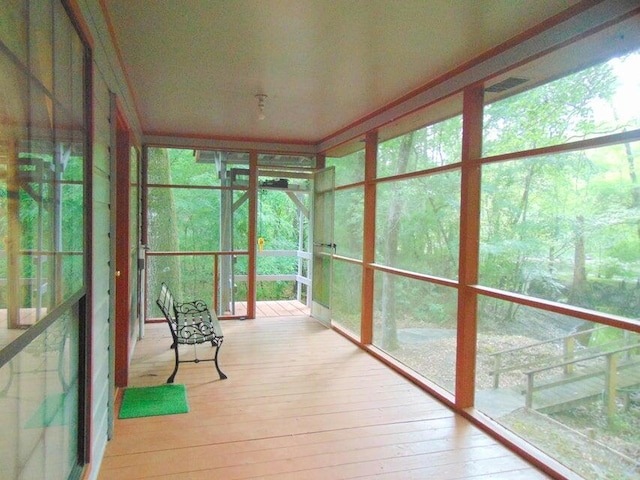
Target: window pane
column 432, row 146
column 39, row 405
column 346, row 294
column 182, row 219
column 565, row 385
column 348, row 222
column 190, row 277
column 349, row 169
column 597, row 101
column 417, row 223
column 14, row 28
column 72, row 244
column 181, row 167
column 232, row 284
column 565, row 228
column 240, row 220
column 415, row 322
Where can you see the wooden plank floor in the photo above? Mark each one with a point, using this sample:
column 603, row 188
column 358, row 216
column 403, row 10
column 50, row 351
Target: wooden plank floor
column 301, row 402
column 274, row 308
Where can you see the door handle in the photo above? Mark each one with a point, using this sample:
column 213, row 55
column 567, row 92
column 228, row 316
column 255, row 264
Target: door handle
column 330, row 245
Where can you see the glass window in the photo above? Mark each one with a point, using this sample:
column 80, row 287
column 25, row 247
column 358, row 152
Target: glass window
column 415, row 322
column 348, row 169
column 563, row 384
column 42, row 210
column 181, row 167
column 417, row 224
column 39, row 404
column 433, row 146
column 590, row 103
column 42, row 150
column 348, row 222
column 183, row 219
column 565, row 228
column 346, row 294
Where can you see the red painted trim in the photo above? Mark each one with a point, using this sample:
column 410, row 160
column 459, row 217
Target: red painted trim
column 467, row 317
column 122, row 313
column 253, row 235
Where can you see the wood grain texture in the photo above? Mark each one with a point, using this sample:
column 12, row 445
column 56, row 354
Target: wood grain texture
column 301, row 401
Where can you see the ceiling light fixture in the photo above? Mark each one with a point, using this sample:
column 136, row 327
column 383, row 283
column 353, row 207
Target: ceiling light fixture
column 261, row 98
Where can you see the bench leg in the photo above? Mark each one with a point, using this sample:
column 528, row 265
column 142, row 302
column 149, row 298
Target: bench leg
column 222, row 375
column 175, row 369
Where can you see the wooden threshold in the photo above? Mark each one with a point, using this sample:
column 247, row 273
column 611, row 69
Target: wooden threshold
column 301, row 402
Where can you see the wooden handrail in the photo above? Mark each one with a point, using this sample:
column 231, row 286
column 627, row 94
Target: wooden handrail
column 543, row 342
column 609, row 373
column 582, row 359
column 568, row 343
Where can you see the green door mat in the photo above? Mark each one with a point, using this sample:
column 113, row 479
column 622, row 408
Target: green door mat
column 157, row 400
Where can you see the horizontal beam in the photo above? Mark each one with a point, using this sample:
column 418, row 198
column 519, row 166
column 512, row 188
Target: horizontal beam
column 221, row 144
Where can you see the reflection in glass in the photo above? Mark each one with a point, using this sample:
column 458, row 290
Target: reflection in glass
column 39, row 404
column 41, row 191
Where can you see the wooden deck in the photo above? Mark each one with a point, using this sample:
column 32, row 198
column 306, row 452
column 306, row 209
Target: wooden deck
column 301, row 402
column 275, row 308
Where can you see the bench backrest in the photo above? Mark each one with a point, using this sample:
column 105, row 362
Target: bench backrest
column 166, row 303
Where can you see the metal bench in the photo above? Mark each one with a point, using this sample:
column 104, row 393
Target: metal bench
column 190, row 323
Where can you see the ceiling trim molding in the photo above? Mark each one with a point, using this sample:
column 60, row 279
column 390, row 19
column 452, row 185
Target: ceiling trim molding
column 590, row 16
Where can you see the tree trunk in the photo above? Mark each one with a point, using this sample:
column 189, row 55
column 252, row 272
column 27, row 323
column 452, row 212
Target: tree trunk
column 162, row 225
column 391, row 231
column 578, row 287
column 635, row 188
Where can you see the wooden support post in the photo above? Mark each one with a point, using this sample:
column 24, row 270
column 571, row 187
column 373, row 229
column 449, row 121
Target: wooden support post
column 368, row 237
column 469, row 245
column 253, row 239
